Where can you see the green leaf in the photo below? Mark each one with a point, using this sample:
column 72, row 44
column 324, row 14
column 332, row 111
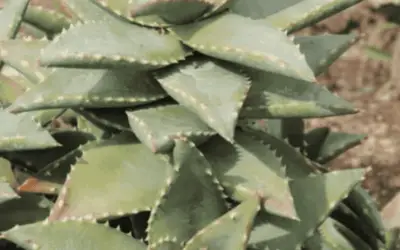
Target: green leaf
column 6, row 173
column 11, row 18
column 314, row 198
column 48, row 20
column 336, row 143
column 322, row 50
column 10, row 89
column 230, row 231
column 277, row 96
column 120, row 164
column 20, row 132
column 113, row 45
column 7, row 193
column 122, row 9
column 230, row 37
column 192, row 200
column 314, row 139
column 96, row 88
column 113, row 119
column 157, row 127
column 57, row 235
column 174, row 12
column 88, row 11
column 214, row 91
column 307, row 12
column 249, row 168
column 259, row 9
column 22, row 55
column 27, row 209
column 334, row 239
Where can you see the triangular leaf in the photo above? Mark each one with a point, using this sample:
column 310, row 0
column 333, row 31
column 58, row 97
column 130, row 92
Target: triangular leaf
column 336, row 143
column 214, row 91
column 193, row 199
column 109, row 118
column 88, row 11
column 249, row 168
column 276, row 96
column 113, row 44
column 46, row 19
column 20, row 132
column 259, row 9
column 6, row 192
column 174, row 12
column 157, row 127
column 96, row 88
column 22, row 55
column 314, row 198
column 122, row 9
column 122, row 164
column 10, row 18
column 6, row 173
column 57, row 235
column 322, row 50
column 307, row 12
column 10, row 89
column 230, row 37
column 230, row 231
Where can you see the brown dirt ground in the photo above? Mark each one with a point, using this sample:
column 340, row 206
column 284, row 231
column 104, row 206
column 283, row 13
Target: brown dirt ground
column 373, row 87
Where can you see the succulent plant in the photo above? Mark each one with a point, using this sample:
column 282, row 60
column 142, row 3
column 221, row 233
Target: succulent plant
column 171, row 124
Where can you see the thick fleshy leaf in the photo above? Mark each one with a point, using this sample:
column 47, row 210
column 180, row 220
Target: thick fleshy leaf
column 27, row 209
column 230, row 231
column 365, row 207
column 356, row 241
column 48, row 20
column 35, row 185
column 122, row 163
column 336, row 143
column 314, row 139
column 96, row 88
column 322, row 50
column 6, row 173
column 6, row 192
column 307, row 12
column 192, row 200
column 295, row 164
column 88, row 11
column 57, row 235
column 28, row 30
column 157, row 127
column 314, row 198
column 213, row 90
column 174, row 12
column 259, row 9
column 230, row 37
column 332, row 238
column 113, row 119
column 22, row 55
column 113, row 45
column 276, row 96
column 11, row 18
column 122, row 9
column 20, row 132
column 250, row 168
column 10, row 89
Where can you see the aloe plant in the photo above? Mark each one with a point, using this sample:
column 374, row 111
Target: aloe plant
column 175, row 125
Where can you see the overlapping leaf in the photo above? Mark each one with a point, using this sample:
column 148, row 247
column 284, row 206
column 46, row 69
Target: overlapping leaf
column 46, row 19
column 10, row 89
column 230, row 231
column 174, row 12
column 20, row 132
column 121, row 165
column 277, row 96
column 113, row 44
column 259, row 9
column 113, row 119
column 123, row 9
column 249, row 168
column 72, row 88
column 88, row 11
column 157, row 127
column 10, row 18
column 314, row 198
column 6, row 192
column 22, row 55
column 307, row 12
column 322, row 50
column 230, row 37
column 213, row 90
column 86, row 235
column 193, row 199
